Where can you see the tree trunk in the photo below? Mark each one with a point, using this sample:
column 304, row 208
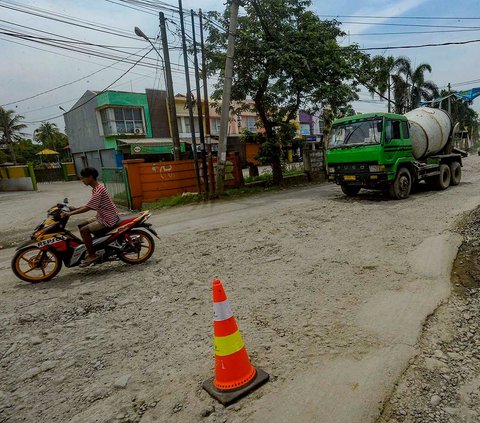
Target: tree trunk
column 275, row 150
column 277, row 166
column 12, row 150
column 276, row 163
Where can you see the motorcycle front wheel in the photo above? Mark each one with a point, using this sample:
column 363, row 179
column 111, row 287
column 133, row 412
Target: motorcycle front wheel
column 34, row 265
column 137, row 247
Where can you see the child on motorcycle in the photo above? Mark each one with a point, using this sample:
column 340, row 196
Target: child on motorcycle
column 107, row 213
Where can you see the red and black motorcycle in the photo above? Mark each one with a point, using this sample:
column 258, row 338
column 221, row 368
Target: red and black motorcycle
column 51, row 245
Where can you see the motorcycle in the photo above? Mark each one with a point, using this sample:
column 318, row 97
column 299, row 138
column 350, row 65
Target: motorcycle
column 51, row 245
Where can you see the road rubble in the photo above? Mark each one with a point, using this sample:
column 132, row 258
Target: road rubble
column 442, row 384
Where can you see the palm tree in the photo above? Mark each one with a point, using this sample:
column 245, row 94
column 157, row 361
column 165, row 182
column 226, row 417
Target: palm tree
column 10, row 128
column 48, row 134
column 383, row 67
column 417, row 88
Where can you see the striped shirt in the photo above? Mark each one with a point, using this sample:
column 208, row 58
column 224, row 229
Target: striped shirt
column 104, row 206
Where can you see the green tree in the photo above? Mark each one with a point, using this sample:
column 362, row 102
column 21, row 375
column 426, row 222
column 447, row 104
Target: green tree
column 286, row 59
column 3, row 157
column 10, row 130
column 26, row 151
column 463, row 114
column 49, row 136
column 415, row 87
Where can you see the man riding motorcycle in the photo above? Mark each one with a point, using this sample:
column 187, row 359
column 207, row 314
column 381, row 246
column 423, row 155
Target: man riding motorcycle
column 107, row 213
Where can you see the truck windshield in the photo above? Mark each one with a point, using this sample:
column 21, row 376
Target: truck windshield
column 356, row 133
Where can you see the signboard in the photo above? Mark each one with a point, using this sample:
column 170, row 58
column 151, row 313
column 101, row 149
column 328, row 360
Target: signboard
column 154, row 149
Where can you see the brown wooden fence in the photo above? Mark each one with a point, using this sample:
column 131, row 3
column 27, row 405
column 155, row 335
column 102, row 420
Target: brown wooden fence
column 149, row 182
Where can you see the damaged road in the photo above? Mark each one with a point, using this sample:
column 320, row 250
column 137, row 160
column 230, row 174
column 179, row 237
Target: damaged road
column 330, row 295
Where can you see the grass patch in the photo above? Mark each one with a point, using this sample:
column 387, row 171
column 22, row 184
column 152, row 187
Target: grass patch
column 177, row 200
column 263, row 177
column 268, row 176
column 228, row 194
column 294, row 172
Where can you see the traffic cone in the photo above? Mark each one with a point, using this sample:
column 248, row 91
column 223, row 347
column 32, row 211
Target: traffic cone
column 235, row 377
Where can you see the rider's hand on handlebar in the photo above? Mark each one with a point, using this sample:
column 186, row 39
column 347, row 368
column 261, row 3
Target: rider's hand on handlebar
column 64, row 215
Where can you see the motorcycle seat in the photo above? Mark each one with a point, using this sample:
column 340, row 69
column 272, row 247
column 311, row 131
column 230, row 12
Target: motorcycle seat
column 123, row 219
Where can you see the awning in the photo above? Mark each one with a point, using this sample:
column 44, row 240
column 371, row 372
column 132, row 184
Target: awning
column 149, row 145
column 145, row 141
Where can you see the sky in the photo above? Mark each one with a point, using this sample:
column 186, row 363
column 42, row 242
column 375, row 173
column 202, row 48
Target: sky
column 29, row 68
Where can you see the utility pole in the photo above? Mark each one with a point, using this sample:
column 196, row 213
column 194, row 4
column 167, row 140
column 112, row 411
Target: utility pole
column 211, row 172
column 189, row 98
column 389, row 88
column 199, row 103
column 170, row 95
column 227, row 91
column 449, row 99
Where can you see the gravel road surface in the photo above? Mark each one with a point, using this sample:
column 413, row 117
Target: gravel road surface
column 330, row 295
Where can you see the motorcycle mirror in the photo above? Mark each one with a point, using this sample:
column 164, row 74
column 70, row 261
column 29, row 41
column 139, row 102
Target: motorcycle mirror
column 65, row 200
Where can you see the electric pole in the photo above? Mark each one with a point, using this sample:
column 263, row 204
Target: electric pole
column 227, row 91
column 189, row 98
column 170, row 95
column 199, row 103
column 211, row 172
column 449, row 99
column 389, row 88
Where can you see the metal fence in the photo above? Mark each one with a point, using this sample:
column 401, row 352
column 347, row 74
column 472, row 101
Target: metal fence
column 116, row 182
column 49, row 175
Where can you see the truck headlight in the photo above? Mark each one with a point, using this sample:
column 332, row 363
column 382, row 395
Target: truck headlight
column 331, row 170
column 376, row 168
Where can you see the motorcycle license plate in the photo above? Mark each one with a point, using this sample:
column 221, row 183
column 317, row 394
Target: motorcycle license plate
column 350, row 178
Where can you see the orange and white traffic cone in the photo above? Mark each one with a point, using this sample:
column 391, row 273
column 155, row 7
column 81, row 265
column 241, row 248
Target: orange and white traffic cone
column 235, row 377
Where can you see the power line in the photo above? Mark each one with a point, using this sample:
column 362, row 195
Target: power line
column 412, row 32
column 66, row 84
column 98, row 93
column 67, row 39
column 65, row 19
column 420, row 45
column 410, row 25
column 401, row 17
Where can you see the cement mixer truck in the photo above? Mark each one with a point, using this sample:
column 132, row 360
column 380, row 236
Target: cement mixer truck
column 392, row 152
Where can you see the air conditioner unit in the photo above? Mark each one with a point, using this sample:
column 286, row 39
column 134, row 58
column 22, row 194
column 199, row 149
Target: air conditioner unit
column 138, row 131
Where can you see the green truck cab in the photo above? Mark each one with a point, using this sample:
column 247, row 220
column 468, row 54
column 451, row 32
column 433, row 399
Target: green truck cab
column 376, row 151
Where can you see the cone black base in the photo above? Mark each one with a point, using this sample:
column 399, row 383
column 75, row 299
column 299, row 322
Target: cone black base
column 229, row 397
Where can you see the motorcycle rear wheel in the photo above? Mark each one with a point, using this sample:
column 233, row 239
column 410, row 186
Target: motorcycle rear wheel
column 33, row 265
column 139, row 247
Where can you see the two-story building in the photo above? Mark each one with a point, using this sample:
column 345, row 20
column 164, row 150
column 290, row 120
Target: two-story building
column 104, row 128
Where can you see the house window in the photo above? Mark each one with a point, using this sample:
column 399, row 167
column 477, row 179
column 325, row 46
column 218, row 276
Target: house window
column 186, row 121
column 249, row 123
column 215, row 126
column 305, row 128
column 122, row 120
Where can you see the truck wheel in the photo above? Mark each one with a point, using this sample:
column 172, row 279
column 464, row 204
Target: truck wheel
column 442, row 181
column 350, row 190
column 455, row 173
column 402, row 185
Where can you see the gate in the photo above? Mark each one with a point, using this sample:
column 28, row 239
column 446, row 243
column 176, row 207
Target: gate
column 116, row 182
column 49, row 174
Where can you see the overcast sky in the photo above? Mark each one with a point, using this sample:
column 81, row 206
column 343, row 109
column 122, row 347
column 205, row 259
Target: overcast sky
column 30, row 68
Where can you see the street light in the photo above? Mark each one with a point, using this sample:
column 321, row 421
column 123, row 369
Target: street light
column 141, row 34
column 167, row 74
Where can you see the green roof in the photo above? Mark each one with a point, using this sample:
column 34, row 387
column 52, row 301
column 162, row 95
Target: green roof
column 364, row 116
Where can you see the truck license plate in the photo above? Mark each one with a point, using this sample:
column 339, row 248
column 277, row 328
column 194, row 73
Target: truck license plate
column 349, row 178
